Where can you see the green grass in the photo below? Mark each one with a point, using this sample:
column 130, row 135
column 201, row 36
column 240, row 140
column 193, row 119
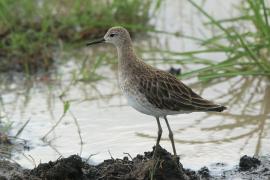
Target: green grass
column 245, row 41
column 31, row 31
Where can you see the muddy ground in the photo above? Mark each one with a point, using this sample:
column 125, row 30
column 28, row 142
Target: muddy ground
column 142, row 167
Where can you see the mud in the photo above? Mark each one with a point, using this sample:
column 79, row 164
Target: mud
column 250, row 168
column 247, row 163
column 143, row 167
column 165, row 166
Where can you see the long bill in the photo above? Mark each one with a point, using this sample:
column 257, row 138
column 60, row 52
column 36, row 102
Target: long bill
column 101, row 40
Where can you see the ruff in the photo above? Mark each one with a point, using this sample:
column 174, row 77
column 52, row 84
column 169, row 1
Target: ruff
column 149, row 90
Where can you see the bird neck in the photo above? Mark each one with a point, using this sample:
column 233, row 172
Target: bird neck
column 126, row 56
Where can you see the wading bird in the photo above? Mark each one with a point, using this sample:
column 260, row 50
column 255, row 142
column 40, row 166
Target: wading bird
column 152, row 91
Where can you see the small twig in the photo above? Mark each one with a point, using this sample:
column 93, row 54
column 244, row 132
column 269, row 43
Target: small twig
column 161, row 163
column 55, row 149
column 66, row 108
column 31, row 159
column 153, row 171
column 22, row 128
column 56, row 124
column 89, row 157
column 14, row 137
column 78, row 130
column 128, row 155
column 59, row 158
column 111, row 155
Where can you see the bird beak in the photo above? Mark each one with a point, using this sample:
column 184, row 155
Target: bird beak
column 101, row 40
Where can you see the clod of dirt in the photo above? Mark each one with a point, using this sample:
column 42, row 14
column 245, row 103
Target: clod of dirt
column 65, row 168
column 204, row 173
column 246, row 163
column 192, row 175
column 164, row 167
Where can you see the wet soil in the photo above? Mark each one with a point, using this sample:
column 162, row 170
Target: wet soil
column 250, row 168
column 247, row 163
column 143, row 167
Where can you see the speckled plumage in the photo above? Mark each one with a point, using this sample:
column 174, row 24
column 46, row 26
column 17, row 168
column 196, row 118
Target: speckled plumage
column 152, row 91
column 155, row 90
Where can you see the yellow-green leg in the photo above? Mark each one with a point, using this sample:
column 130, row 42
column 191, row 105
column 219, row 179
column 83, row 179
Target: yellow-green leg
column 170, row 135
column 159, row 136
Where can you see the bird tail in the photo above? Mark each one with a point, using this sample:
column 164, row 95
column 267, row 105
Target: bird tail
column 219, row 108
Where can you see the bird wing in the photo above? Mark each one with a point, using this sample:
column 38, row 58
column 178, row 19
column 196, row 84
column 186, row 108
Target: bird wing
column 165, row 91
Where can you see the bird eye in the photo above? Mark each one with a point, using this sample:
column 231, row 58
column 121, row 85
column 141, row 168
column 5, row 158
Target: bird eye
column 112, row 35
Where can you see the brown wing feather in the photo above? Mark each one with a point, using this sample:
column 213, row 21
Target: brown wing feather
column 166, row 92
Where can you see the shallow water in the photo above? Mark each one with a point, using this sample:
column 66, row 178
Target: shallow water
column 108, row 127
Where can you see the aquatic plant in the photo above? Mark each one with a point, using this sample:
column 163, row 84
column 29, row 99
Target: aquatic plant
column 244, row 40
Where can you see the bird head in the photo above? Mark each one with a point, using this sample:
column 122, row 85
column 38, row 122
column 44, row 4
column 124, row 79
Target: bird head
column 117, row 36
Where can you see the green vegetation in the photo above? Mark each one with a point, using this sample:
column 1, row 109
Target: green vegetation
column 245, row 40
column 30, row 30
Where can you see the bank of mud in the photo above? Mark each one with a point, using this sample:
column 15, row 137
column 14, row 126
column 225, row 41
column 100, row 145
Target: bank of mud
column 143, row 167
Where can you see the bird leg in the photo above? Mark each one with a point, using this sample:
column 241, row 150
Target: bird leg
column 159, row 136
column 170, row 135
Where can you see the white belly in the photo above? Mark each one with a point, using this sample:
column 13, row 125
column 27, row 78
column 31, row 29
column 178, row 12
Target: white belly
column 141, row 104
